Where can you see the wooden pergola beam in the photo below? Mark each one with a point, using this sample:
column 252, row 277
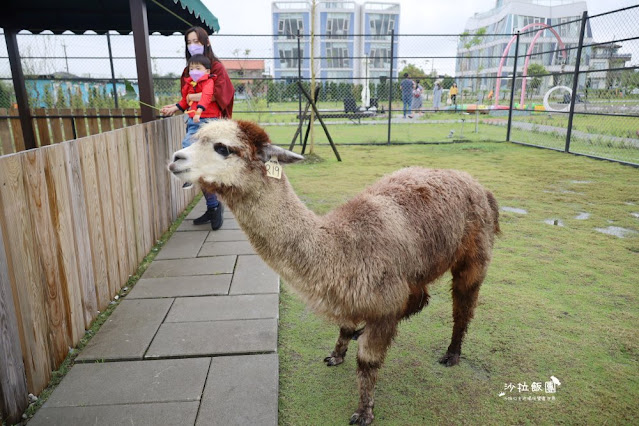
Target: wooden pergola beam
column 20, row 88
column 140, row 26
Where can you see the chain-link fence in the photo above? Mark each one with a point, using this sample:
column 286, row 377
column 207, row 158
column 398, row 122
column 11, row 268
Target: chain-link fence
column 460, row 87
column 590, row 109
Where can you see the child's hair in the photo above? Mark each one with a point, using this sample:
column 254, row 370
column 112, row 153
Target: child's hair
column 200, row 60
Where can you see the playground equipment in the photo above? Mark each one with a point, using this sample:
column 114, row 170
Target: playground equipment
column 525, row 71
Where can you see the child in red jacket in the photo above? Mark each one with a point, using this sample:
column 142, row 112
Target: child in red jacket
column 200, row 80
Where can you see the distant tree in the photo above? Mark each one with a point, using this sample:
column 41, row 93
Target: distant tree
column 448, row 81
column 76, row 99
column 60, row 101
column 107, row 98
column 535, row 70
column 630, row 79
column 5, row 95
column 468, row 43
column 47, row 97
column 413, row 72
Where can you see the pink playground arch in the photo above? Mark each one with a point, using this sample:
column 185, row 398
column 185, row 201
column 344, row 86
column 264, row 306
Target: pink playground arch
column 525, row 72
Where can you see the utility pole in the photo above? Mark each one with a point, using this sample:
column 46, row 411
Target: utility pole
column 64, row 46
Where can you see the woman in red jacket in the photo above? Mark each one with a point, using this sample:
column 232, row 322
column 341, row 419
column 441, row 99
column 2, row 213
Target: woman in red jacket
column 197, row 43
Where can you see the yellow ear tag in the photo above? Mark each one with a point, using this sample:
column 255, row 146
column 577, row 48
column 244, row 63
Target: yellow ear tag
column 273, row 168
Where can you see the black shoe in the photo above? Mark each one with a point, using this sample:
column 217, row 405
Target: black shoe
column 205, row 218
column 216, row 217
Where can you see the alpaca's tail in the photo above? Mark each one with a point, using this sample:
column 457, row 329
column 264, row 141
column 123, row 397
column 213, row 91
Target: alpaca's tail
column 495, row 208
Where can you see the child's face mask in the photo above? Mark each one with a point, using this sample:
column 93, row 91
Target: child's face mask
column 195, row 49
column 196, row 74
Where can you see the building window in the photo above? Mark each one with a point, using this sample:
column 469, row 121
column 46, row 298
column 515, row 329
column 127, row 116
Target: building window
column 380, row 57
column 337, row 25
column 381, row 25
column 288, row 25
column 523, row 21
column 566, row 29
column 337, row 55
column 289, row 57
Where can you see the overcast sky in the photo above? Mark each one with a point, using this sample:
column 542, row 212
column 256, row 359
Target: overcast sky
column 416, row 16
column 253, row 17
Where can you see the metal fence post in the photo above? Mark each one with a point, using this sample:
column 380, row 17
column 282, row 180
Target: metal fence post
column 512, row 90
column 390, row 85
column 575, row 81
column 299, row 78
column 115, row 90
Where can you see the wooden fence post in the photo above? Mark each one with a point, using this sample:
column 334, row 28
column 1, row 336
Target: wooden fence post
column 5, row 133
column 13, row 381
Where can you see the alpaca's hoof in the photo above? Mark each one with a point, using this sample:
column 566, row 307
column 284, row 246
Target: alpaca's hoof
column 333, row 360
column 449, row 359
column 362, row 417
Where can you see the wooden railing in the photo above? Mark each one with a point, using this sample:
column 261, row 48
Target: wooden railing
column 57, row 125
column 76, row 219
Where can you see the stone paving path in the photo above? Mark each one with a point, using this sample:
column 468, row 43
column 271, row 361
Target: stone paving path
column 194, row 343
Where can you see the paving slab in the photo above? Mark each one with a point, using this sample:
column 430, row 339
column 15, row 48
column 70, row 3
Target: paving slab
column 188, row 226
column 200, row 208
column 199, row 285
column 131, row 382
column 241, row 390
column 214, row 338
column 127, row 333
column 220, row 248
column 220, row 308
column 150, row 414
column 190, row 267
column 226, row 235
column 183, row 245
column 253, row 276
column 230, row 224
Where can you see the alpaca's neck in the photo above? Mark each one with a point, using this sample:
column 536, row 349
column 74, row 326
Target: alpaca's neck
column 282, row 229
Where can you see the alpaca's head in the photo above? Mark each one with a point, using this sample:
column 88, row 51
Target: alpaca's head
column 228, row 154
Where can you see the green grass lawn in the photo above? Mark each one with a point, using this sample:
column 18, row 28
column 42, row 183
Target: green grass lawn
column 400, row 133
column 558, row 301
column 622, row 127
column 609, row 137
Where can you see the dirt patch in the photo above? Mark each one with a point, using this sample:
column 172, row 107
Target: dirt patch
column 513, row 210
column 554, row 222
column 583, row 216
column 312, row 159
column 617, row 231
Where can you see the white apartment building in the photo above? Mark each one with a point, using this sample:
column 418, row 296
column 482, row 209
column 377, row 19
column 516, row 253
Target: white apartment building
column 505, row 19
column 348, row 34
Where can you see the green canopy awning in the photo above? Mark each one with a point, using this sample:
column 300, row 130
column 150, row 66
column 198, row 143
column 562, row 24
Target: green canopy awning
column 164, row 16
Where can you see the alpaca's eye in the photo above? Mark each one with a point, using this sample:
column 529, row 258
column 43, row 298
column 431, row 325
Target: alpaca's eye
column 221, row 149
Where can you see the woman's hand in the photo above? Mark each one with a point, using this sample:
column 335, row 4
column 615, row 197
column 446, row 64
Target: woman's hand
column 169, row 110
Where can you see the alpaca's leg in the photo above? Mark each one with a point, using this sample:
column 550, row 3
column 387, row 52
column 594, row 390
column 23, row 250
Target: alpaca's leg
column 417, row 300
column 373, row 345
column 467, row 279
column 336, row 357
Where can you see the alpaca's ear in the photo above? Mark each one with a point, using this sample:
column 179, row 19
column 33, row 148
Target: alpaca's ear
column 283, row 156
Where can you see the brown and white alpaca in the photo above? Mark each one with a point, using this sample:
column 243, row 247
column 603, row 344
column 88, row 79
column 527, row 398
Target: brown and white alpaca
column 368, row 262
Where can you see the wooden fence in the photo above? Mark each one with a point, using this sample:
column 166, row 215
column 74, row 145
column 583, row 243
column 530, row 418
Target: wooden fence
column 56, row 125
column 76, row 219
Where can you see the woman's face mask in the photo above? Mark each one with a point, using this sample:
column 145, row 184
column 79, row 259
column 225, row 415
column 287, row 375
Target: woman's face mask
column 195, row 49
